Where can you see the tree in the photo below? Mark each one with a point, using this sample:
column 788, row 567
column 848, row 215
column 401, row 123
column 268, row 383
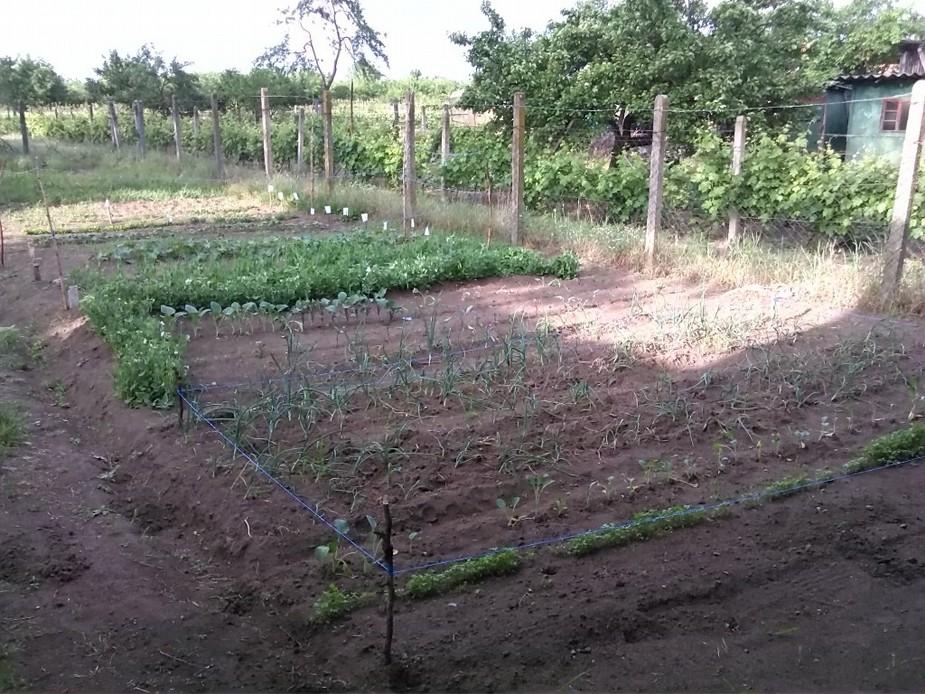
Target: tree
column 329, row 30
column 603, row 63
column 147, row 77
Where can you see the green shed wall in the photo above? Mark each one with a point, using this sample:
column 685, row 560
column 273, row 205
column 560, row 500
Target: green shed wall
column 864, row 135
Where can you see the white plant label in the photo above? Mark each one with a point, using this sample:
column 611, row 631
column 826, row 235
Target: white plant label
column 327, row 209
column 364, row 217
column 346, row 211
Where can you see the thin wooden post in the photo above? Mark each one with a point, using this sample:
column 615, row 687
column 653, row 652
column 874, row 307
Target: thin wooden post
column 113, row 124
column 311, row 161
column 423, row 117
column 517, row 169
column 54, row 242
column 139, row 110
column 408, row 170
column 2, row 249
column 195, row 126
column 388, row 557
column 328, row 141
column 265, row 124
column 217, row 140
column 177, row 129
column 90, row 104
column 656, row 179
column 350, row 127
column 738, row 153
column 300, row 140
column 444, row 146
column 23, row 128
column 894, row 253
column 491, row 215
column 395, row 118
column 445, row 137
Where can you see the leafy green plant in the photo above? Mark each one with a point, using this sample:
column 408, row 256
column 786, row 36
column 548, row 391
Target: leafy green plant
column 333, row 604
column 11, row 428
column 904, row 444
column 430, row 583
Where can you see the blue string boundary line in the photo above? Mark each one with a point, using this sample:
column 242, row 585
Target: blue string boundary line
column 757, row 496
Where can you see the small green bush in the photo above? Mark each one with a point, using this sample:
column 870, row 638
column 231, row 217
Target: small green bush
column 430, row 583
column 335, row 603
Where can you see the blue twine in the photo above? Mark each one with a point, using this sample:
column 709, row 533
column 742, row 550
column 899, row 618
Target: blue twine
column 312, row 509
column 631, row 523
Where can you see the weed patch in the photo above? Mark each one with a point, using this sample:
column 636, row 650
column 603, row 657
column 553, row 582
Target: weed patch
column 333, row 604
column 430, row 583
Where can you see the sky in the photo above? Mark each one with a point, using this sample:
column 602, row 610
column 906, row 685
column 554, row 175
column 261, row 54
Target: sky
column 219, row 34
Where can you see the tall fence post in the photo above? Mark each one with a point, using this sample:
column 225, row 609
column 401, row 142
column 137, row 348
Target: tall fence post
column 217, row 140
column 195, row 125
column 738, row 153
column 113, row 124
column 517, row 169
column 395, row 118
column 139, row 109
column 408, row 172
column 23, row 128
column 90, row 105
column 311, row 161
column 300, row 139
column 328, row 141
column 265, row 126
column 444, row 146
column 656, row 179
column 177, row 128
column 894, row 253
column 350, row 127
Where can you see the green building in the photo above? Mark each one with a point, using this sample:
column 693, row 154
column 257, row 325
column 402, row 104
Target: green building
column 866, row 113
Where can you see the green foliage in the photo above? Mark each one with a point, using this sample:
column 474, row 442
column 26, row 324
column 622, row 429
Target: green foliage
column 430, row 583
column 14, row 352
column 644, row 525
column 904, row 444
column 335, row 603
column 127, row 310
column 11, row 428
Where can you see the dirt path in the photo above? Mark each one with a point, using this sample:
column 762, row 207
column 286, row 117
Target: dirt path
column 126, row 564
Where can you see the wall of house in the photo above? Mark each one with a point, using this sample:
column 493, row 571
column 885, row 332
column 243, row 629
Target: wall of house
column 864, row 135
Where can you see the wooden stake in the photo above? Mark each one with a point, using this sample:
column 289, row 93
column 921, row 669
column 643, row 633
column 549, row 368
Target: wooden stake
column 408, row 169
column 300, row 140
column 177, row 129
column 388, row 557
column 350, row 127
column 2, row 251
column 113, row 124
column 140, row 126
column 395, row 118
column 90, row 104
column 656, row 179
column 738, row 153
column 23, row 128
column 328, row 141
column 894, row 253
column 517, row 169
column 445, row 145
column 217, row 140
column 490, row 209
column 265, row 125
column 54, row 242
column 195, row 126
column 311, row 161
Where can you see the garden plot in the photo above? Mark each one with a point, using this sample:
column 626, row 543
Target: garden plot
column 553, row 409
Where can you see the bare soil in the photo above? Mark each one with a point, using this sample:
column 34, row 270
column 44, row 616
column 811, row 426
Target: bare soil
column 135, row 555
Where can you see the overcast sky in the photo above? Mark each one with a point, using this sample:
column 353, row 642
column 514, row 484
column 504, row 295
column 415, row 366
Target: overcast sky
column 218, row 34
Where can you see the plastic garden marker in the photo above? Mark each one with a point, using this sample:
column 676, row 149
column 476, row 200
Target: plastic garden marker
column 427, row 231
column 327, row 209
column 385, row 226
column 346, row 211
column 412, row 222
column 271, row 188
column 311, row 211
column 280, row 196
column 364, row 217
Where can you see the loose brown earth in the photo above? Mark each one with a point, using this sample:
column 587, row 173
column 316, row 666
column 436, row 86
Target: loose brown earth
column 134, row 556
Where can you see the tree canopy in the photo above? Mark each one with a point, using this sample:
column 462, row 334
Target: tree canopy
column 145, row 76
column 604, row 63
column 32, row 82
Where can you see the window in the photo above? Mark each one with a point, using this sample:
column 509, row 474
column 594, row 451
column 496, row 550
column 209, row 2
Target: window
column 894, row 116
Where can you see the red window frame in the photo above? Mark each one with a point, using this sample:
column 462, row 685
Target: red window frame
column 894, row 116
